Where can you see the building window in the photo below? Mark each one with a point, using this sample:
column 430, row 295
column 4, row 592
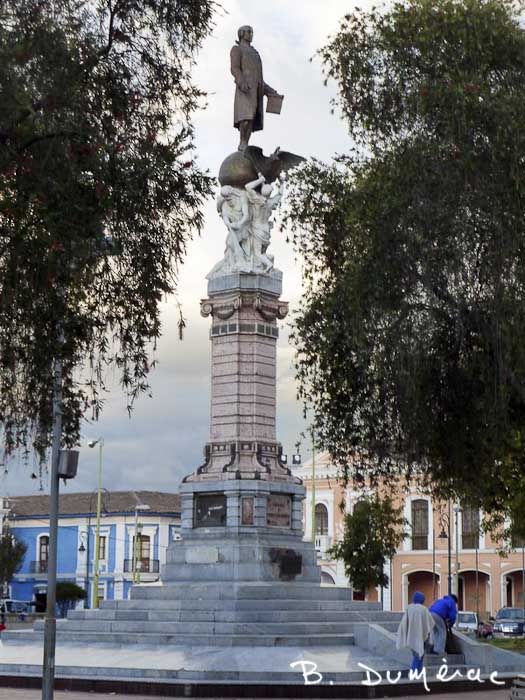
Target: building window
column 101, row 592
column 420, row 524
column 43, row 548
column 143, row 552
column 102, row 548
column 470, row 528
column 144, row 547
column 321, row 519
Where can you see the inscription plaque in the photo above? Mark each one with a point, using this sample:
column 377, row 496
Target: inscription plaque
column 210, row 510
column 247, row 510
column 279, row 510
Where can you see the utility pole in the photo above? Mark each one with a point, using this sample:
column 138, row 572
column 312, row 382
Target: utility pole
column 48, row 671
column 313, row 487
column 457, row 511
column 94, row 596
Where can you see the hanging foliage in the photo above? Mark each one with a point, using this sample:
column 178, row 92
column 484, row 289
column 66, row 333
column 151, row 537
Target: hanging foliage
column 410, row 335
column 99, row 195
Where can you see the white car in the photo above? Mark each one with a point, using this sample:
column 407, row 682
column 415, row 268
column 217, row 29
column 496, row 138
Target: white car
column 467, row 622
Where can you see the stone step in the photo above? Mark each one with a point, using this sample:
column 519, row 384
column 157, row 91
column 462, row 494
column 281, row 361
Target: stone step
column 126, row 638
column 176, row 574
column 104, row 627
column 385, row 619
column 435, row 660
column 227, row 591
column 243, row 604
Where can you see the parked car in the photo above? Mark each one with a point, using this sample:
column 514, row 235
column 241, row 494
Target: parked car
column 486, row 629
column 467, row 622
column 510, row 622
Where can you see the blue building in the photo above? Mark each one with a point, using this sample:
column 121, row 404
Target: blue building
column 151, row 516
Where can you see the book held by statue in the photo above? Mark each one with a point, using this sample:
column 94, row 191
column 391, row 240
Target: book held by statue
column 274, row 104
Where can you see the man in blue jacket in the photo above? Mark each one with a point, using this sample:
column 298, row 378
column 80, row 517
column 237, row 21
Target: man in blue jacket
column 444, row 612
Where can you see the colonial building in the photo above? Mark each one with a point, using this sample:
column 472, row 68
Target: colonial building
column 151, row 516
column 436, row 534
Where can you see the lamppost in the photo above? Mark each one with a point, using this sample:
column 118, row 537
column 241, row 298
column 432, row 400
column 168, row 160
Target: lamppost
column 100, row 442
column 313, row 488
column 86, row 548
column 523, row 574
column 457, row 511
column 434, row 553
column 136, row 567
column 444, row 536
column 476, row 542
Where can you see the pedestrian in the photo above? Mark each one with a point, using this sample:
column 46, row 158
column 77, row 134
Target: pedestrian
column 414, row 629
column 444, row 612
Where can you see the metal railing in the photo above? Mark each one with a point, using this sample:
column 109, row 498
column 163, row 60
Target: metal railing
column 145, row 566
column 38, row 567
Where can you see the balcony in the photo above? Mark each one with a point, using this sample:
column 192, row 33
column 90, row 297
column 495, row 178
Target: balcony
column 38, row 567
column 145, row 566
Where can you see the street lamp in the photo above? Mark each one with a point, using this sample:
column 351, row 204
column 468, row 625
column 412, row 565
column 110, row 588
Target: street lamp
column 434, row 553
column 444, row 536
column 313, row 487
column 519, row 541
column 457, row 511
column 100, row 442
column 136, row 568
column 85, row 548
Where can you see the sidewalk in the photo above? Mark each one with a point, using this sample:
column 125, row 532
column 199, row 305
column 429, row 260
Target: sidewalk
column 14, row 694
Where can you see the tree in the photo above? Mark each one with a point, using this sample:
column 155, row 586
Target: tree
column 95, row 159
column 409, row 337
column 68, row 592
column 12, row 553
column 372, row 535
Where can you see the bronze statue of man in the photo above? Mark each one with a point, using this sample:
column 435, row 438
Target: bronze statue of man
column 246, row 68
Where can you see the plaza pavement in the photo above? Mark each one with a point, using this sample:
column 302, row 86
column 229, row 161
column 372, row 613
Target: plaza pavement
column 16, row 694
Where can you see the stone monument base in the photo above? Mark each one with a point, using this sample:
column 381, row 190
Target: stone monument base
column 236, row 536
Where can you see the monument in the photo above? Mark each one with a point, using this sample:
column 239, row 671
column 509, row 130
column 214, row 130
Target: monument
column 242, row 509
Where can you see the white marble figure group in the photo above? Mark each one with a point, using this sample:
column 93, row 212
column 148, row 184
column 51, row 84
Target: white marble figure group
column 246, row 214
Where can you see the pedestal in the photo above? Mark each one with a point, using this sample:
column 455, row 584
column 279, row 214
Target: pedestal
column 242, row 509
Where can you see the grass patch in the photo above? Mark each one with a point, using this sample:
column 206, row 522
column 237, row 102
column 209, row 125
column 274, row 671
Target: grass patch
column 517, row 644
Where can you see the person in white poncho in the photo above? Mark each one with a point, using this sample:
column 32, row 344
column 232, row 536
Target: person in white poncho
column 414, row 630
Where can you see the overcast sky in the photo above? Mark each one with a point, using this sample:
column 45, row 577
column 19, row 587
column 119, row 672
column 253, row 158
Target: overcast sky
column 164, row 438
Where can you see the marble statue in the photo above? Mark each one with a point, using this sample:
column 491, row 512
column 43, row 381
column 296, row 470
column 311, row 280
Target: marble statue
column 250, row 88
column 262, row 205
column 246, row 213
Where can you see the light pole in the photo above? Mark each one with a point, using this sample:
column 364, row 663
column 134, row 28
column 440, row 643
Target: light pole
column 523, row 574
column 50, row 623
column 86, row 548
column 433, row 553
column 444, row 536
column 313, row 488
column 136, row 567
column 100, row 442
column 457, row 511
column 477, row 578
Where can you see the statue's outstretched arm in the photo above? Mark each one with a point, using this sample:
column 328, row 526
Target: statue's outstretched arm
column 268, row 90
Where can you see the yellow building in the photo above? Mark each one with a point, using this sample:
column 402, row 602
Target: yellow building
column 477, row 571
